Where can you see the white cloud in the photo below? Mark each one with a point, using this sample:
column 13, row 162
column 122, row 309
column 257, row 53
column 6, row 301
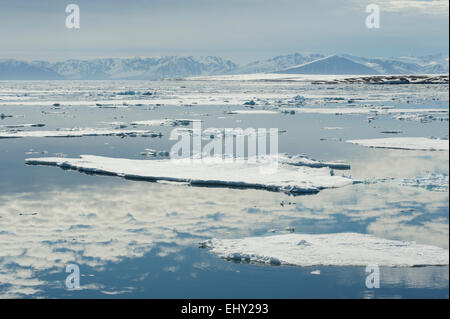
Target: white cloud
column 430, row 7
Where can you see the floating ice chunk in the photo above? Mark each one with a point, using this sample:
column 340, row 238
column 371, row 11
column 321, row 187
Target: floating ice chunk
column 252, row 112
column 420, row 117
column 79, row 132
column 153, row 122
column 32, row 152
column 166, row 122
column 339, row 249
column 302, row 160
column 116, row 124
column 205, row 172
column 60, row 155
column 359, row 110
column 332, row 128
column 315, row 272
column 405, row 143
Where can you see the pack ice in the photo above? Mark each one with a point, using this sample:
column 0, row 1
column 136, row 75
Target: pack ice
column 78, row 132
column 405, row 143
column 211, row 172
column 338, row 249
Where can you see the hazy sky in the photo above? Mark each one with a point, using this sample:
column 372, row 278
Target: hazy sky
column 242, row 30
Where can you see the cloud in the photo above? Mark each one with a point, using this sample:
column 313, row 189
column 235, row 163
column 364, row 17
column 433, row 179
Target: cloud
column 427, row 7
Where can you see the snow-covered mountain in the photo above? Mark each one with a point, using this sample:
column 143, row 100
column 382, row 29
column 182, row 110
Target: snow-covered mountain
column 432, row 64
column 19, row 70
column 116, row 68
column 139, row 68
column 277, row 63
column 331, row 65
column 348, row 64
column 153, row 68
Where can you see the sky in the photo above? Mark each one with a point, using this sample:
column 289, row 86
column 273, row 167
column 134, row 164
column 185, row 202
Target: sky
column 241, row 30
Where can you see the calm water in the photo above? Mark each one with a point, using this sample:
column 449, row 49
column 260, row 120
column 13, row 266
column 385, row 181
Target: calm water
column 140, row 239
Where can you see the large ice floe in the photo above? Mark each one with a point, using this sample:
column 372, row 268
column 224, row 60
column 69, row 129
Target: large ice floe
column 165, row 122
column 252, row 112
column 405, row 143
column 206, row 172
column 338, row 249
column 78, row 132
column 374, row 110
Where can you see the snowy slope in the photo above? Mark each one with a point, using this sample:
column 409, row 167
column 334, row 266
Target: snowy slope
column 331, row 65
column 277, row 63
column 17, row 70
column 433, row 64
column 140, row 68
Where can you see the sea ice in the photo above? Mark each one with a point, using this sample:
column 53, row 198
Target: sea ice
column 405, row 143
column 249, row 112
column 360, row 110
column 205, row 172
column 166, row 122
column 78, row 132
column 333, row 128
column 303, row 160
column 418, row 117
column 338, row 249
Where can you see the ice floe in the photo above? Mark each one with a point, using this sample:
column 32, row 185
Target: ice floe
column 363, row 110
column 303, row 160
column 338, row 249
column 405, row 143
column 166, row 122
column 78, row 132
column 249, row 112
column 209, row 172
column 420, row 117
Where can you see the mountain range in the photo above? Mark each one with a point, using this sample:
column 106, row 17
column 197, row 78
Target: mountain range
column 154, row 68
